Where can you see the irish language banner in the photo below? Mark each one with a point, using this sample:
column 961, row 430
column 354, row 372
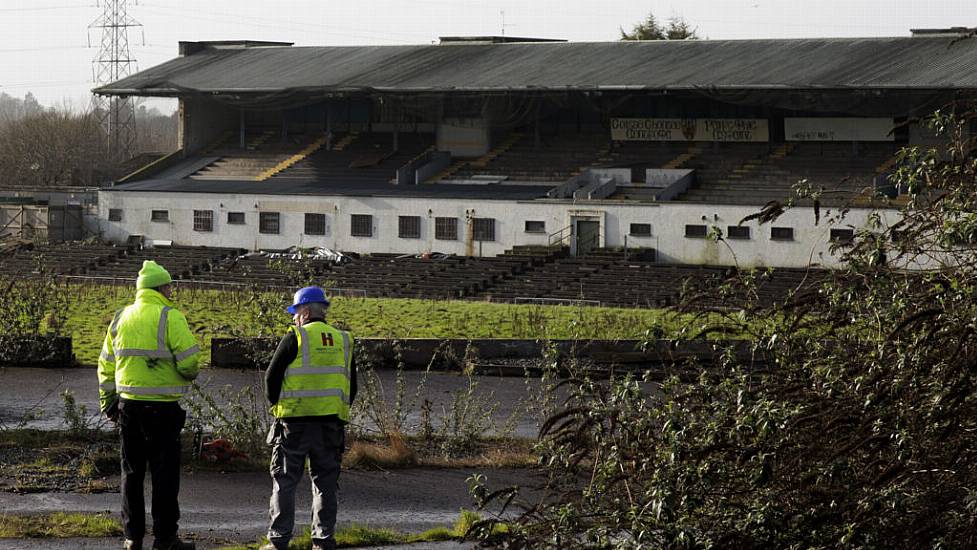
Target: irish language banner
column 838, row 129
column 689, row 129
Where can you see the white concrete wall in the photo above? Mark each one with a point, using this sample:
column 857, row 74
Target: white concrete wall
column 668, row 220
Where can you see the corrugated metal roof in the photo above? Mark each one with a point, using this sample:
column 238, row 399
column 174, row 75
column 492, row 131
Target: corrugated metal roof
column 906, row 62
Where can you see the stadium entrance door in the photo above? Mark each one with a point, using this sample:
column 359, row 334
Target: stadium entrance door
column 587, row 236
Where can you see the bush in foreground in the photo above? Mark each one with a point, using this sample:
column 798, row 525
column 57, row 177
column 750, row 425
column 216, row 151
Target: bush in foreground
column 857, row 430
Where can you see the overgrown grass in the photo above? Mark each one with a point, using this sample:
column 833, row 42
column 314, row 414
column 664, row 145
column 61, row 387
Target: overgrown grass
column 58, row 525
column 214, row 312
column 357, row 535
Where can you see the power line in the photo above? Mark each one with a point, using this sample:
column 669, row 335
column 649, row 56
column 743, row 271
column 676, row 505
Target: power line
column 45, row 8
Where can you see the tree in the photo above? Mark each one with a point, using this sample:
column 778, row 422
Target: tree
column 856, row 429
column 650, row 29
column 51, row 148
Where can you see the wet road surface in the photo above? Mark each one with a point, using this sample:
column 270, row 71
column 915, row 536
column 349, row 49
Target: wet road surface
column 32, row 397
column 233, row 507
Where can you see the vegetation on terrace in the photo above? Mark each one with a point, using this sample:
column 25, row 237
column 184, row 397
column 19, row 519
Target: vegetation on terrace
column 231, row 312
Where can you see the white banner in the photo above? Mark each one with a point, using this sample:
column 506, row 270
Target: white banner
column 838, row 129
column 689, row 129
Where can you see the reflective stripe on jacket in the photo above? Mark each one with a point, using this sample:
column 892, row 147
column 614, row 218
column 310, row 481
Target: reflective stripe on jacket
column 317, row 382
column 149, row 353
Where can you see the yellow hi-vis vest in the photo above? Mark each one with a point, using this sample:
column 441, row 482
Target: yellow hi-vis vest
column 317, row 382
column 149, row 353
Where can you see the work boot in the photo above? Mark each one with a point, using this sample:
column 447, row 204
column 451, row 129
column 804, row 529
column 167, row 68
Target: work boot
column 327, row 544
column 173, row 544
column 130, row 544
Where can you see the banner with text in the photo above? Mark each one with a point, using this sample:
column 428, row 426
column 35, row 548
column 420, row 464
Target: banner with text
column 689, row 129
column 838, row 129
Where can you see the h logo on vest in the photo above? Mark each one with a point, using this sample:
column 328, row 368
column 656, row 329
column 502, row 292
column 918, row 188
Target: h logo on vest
column 327, row 339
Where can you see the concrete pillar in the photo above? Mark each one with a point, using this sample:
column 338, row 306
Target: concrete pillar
column 241, row 130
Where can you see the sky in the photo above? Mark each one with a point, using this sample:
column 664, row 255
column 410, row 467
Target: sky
column 46, row 47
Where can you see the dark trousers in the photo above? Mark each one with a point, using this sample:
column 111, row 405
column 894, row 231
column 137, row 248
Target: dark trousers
column 322, row 443
column 150, row 435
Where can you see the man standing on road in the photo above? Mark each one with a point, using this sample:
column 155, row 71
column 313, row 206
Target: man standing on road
column 310, row 383
column 147, row 362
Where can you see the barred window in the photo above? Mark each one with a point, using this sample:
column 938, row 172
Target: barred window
column 781, row 233
column 640, row 229
column 235, row 218
column 446, row 229
column 533, row 226
column 696, row 231
column 115, row 214
column 269, row 222
column 315, row 224
column 409, row 227
column 361, row 225
column 160, row 215
column 483, row 229
column 203, row 220
column 738, row 232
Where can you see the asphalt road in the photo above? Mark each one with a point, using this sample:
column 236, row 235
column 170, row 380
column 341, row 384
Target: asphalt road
column 36, row 394
column 219, row 508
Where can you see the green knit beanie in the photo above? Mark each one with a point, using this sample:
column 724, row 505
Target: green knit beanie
column 152, row 275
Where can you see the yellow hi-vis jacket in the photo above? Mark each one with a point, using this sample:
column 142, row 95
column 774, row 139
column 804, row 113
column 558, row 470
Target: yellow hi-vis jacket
column 317, row 382
column 149, row 353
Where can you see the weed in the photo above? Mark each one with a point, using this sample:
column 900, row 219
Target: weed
column 238, row 416
column 76, row 417
column 468, row 418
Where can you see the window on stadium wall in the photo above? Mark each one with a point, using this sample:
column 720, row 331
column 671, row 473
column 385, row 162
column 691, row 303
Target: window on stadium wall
column 738, row 232
column 235, row 218
column 361, row 225
column 315, row 224
column 446, row 229
column 696, row 231
column 159, row 216
column 781, row 233
column 409, row 227
column 115, row 214
column 640, row 230
column 483, row 229
column 533, row 226
column 203, row 220
column 269, row 222
column 842, row 235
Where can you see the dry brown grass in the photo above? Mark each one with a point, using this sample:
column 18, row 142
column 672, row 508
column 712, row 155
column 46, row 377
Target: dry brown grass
column 493, row 458
column 395, row 453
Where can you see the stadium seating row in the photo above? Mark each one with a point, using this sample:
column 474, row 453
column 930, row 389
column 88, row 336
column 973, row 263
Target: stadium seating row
column 610, row 278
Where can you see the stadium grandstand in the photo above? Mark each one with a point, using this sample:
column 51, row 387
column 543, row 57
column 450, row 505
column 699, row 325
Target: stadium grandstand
column 595, row 153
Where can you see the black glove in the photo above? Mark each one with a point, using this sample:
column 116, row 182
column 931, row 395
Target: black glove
column 112, row 411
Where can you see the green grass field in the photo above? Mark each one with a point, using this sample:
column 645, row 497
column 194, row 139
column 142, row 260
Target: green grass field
column 226, row 313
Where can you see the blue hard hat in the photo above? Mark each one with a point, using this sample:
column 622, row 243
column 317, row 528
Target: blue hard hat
column 308, row 295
